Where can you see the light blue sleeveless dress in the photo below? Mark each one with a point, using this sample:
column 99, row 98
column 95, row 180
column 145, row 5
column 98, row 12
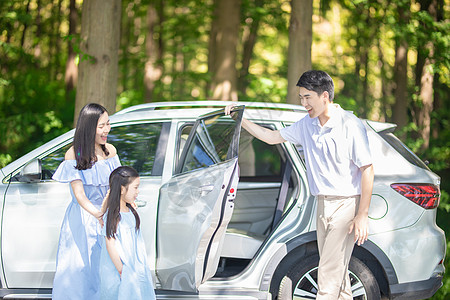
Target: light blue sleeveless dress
column 136, row 281
column 78, row 257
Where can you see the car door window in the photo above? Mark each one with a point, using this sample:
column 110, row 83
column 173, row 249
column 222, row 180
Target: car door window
column 51, row 162
column 138, row 146
column 211, row 144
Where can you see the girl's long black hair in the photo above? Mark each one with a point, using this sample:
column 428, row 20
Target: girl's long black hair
column 120, row 177
column 84, row 139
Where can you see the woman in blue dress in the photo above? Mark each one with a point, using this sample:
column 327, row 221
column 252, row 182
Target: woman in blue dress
column 124, row 273
column 87, row 166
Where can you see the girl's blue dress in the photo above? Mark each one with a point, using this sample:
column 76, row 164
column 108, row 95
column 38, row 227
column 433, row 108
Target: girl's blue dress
column 136, row 281
column 78, row 257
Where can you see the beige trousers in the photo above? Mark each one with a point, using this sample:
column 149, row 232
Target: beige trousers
column 334, row 217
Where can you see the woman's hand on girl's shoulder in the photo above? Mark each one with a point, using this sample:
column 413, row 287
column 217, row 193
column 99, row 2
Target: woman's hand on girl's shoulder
column 70, row 154
column 112, row 150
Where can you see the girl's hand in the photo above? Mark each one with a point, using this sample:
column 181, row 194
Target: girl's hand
column 100, row 220
column 99, row 217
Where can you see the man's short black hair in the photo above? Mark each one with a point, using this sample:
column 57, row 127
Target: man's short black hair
column 317, row 81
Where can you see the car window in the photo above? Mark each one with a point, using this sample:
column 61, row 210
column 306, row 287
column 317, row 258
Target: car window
column 51, row 162
column 211, row 144
column 137, row 146
column 258, row 161
column 401, row 148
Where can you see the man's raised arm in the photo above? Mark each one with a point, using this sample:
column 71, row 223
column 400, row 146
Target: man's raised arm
column 266, row 135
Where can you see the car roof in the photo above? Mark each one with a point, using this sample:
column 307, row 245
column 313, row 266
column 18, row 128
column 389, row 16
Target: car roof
column 257, row 111
column 262, row 111
column 208, row 104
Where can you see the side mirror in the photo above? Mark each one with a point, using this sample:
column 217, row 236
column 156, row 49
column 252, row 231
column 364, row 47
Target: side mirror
column 31, row 172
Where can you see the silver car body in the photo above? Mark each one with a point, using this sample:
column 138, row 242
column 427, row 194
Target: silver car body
column 404, row 252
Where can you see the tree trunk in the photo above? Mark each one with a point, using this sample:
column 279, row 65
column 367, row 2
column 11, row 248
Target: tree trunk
column 36, row 43
column 385, row 90
column 55, row 41
column 426, row 94
column 400, row 107
column 439, row 98
column 224, row 83
column 249, row 45
column 212, row 44
column 25, row 25
column 100, row 35
column 126, row 43
column 153, row 67
column 71, row 74
column 364, row 109
column 300, row 41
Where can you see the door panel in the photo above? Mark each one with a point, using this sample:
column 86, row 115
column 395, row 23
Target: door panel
column 189, row 215
column 31, row 223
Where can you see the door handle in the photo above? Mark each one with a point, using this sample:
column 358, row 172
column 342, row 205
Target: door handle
column 206, row 189
column 140, row 203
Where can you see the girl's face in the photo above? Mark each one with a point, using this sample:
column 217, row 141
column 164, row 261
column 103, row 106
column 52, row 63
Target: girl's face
column 130, row 193
column 103, row 128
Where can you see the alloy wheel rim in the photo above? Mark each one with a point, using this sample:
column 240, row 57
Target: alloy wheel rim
column 306, row 287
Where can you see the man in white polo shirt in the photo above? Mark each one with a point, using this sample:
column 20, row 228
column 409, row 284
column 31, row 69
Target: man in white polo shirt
column 340, row 176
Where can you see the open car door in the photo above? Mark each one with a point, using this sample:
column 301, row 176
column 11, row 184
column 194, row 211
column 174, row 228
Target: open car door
column 196, row 204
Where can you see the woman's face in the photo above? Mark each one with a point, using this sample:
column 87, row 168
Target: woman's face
column 103, row 128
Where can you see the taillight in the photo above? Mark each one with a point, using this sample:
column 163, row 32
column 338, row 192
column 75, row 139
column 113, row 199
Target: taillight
column 425, row 195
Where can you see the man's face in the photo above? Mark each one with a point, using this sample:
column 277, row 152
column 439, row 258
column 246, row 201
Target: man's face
column 314, row 103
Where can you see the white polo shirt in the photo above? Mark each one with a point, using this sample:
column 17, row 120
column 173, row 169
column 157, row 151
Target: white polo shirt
column 333, row 152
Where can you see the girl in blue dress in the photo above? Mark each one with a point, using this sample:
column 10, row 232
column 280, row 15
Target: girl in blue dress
column 87, row 166
column 124, row 272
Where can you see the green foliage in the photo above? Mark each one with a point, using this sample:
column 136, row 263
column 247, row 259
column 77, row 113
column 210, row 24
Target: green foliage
column 33, row 107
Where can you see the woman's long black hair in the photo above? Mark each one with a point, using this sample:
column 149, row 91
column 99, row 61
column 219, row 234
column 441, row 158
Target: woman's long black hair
column 84, row 139
column 120, row 177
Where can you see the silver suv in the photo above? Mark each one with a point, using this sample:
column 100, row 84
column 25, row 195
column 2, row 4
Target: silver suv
column 226, row 216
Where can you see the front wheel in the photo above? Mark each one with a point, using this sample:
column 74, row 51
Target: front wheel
column 301, row 280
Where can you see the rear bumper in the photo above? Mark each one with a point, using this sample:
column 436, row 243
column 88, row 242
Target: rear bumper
column 416, row 290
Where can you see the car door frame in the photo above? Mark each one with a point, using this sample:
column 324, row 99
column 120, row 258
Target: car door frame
column 224, row 201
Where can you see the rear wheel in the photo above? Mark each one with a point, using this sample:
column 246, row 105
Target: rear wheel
column 301, row 281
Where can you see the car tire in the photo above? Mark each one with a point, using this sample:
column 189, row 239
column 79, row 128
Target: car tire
column 300, row 282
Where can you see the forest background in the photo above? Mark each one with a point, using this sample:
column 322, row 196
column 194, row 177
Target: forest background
column 390, row 62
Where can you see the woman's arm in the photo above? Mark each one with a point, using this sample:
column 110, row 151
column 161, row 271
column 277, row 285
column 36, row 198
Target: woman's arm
column 105, row 203
column 112, row 251
column 78, row 191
